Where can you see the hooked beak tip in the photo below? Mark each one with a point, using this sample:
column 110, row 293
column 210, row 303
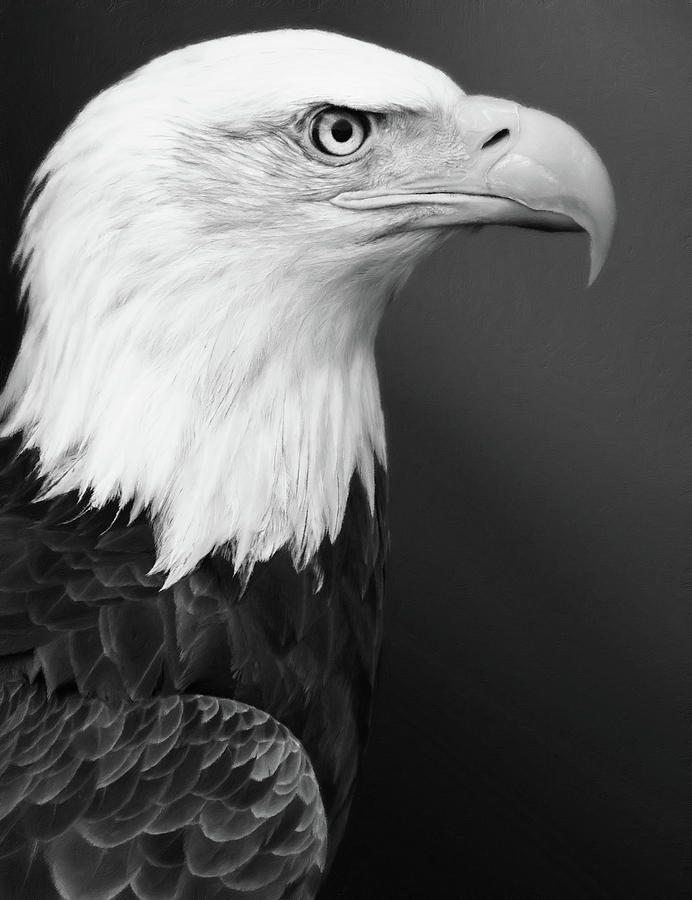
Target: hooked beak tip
column 600, row 230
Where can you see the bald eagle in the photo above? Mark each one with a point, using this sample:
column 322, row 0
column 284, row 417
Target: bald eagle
column 193, row 470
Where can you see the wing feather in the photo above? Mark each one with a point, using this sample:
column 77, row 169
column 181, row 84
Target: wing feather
column 168, row 797
column 80, row 614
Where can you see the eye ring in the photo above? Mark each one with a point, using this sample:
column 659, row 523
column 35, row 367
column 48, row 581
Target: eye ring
column 338, row 132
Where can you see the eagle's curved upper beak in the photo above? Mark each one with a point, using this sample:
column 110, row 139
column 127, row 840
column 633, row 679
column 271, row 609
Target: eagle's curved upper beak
column 521, row 167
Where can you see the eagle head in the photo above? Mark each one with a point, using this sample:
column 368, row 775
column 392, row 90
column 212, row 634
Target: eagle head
column 207, row 252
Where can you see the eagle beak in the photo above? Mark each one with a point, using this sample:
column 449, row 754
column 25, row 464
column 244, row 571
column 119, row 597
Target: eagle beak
column 520, row 167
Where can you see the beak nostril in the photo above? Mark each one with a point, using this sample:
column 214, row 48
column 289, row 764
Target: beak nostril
column 496, row 138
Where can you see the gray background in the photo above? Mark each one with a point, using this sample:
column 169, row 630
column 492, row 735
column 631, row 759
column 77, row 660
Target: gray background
column 529, row 734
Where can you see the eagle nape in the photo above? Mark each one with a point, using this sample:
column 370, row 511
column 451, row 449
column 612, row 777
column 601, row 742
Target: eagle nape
column 193, row 475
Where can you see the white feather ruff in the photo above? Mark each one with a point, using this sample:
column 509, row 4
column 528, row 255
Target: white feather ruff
column 200, row 323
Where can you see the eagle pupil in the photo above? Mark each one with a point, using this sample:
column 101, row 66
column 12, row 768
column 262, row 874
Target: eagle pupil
column 342, row 131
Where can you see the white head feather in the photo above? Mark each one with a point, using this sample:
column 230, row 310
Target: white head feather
column 201, row 321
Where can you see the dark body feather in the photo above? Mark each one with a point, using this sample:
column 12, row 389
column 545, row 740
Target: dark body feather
column 81, row 618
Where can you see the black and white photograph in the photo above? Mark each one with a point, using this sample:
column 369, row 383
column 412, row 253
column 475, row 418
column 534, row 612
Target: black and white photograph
column 345, row 485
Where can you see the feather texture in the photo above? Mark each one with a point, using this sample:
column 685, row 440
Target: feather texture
column 88, row 634
column 164, row 799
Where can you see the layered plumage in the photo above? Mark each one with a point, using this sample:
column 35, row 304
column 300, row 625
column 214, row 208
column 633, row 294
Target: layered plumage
column 80, row 617
column 192, row 481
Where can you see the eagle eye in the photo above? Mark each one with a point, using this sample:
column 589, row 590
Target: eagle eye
column 339, row 132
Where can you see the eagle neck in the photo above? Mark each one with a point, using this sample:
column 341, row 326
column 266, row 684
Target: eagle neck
column 240, row 435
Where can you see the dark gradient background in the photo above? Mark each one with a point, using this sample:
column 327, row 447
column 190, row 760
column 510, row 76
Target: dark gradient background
column 529, row 737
